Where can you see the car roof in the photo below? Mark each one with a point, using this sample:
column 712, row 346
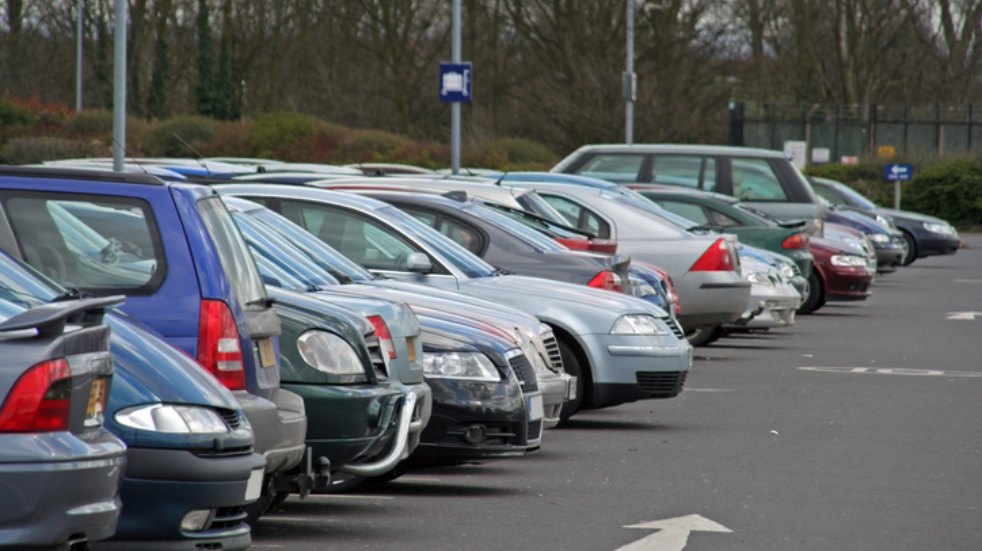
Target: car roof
column 65, row 173
column 718, row 150
column 677, row 190
column 312, row 193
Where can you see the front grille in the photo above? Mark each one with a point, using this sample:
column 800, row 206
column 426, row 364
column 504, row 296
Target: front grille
column 525, row 372
column 226, row 518
column 375, row 354
column 661, row 384
column 231, row 418
column 552, row 348
column 225, row 452
column 495, row 434
column 676, row 328
column 535, row 431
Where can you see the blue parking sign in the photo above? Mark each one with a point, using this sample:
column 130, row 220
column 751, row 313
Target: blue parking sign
column 897, row 173
column 455, row 82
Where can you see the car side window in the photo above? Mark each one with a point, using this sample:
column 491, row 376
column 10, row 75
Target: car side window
column 620, row 167
column 689, row 211
column 755, row 180
column 709, row 175
column 828, row 195
column 578, row 216
column 97, row 244
column 358, row 237
column 457, row 232
column 722, row 220
column 677, row 170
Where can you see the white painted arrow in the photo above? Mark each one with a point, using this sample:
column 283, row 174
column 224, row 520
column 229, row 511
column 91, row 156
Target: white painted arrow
column 963, row 316
column 673, row 533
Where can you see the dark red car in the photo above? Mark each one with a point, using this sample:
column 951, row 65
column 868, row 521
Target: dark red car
column 838, row 274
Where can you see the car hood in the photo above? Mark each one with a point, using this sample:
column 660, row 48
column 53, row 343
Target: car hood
column 909, row 215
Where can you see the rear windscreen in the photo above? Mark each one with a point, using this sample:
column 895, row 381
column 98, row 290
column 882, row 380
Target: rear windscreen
column 236, row 260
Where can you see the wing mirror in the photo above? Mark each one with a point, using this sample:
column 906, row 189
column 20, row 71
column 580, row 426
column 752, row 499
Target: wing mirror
column 419, row 263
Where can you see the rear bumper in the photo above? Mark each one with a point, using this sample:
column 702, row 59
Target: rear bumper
column 711, row 298
column 774, row 306
column 161, row 486
column 73, row 493
column 279, row 425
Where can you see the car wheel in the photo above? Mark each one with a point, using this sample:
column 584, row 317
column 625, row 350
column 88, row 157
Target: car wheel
column 816, row 295
column 705, row 336
column 910, row 252
column 571, row 364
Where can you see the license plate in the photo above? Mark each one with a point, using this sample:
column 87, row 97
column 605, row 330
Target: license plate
column 571, row 391
column 255, row 485
column 96, row 408
column 536, row 411
column 267, row 353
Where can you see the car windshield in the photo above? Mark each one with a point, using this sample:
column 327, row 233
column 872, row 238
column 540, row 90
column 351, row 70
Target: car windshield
column 22, row 285
column 757, row 214
column 236, row 261
column 316, row 250
column 536, row 222
column 517, row 229
column 461, row 258
column 533, row 202
column 276, row 250
column 630, row 197
column 855, row 198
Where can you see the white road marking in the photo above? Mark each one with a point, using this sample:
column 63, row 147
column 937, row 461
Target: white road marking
column 968, row 280
column 963, row 316
column 710, row 390
column 894, row 371
column 672, row 534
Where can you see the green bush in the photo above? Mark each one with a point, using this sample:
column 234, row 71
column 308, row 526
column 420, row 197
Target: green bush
column 371, row 146
column 95, row 123
column 950, row 189
column 35, row 149
column 14, row 114
column 164, row 139
column 525, row 154
column 285, row 136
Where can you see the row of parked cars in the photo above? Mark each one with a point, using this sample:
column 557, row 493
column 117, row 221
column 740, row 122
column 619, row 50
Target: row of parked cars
column 189, row 342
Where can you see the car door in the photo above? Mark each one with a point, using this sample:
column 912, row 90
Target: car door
column 366, row 240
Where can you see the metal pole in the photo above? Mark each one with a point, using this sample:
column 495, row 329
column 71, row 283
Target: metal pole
column 78, row 58
column 455, row 57
column 629, row 78
column 119, row 86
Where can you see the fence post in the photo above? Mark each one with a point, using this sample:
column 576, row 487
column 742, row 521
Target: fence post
column 773, row 119
column 736, row 123
column 906, row 126
column 970, row 127
column 871, row 131
column 938, row 130
column 835, row 137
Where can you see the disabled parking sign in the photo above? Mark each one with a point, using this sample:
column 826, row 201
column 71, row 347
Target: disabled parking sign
column 455, row 82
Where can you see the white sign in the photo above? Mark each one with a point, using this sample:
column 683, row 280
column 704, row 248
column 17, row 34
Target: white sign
column 673, row 533
column 797, row 153
column 821, row 154
column 893, row 371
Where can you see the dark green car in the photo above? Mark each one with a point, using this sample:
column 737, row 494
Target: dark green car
column 722, row 212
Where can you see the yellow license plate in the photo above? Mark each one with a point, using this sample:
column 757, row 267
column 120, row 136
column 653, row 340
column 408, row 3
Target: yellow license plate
column 96, row 408
column 267, row 354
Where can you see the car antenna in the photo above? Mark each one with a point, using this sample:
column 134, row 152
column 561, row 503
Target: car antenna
column 500, row 178
column 197, row 154
column 126, row 154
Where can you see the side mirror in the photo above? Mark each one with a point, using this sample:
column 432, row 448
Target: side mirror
column 419, row 263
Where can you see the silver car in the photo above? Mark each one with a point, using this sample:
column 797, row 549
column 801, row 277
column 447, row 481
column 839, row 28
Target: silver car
column 620, row 348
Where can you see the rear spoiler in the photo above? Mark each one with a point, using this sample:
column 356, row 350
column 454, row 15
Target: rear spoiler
column 51, row 318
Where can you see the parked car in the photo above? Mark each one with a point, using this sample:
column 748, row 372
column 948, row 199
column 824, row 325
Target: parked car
column 703, row 265
column 763, row 178
column 725, row 213
column 839, row 274
column 773, row 299
column 924, row 235
column 60, row 468
column 620, row 348
column 888, row 245
column 190, row 466
column 187, row 274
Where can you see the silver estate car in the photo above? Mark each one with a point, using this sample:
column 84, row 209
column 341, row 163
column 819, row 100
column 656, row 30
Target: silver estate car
column 620, row 348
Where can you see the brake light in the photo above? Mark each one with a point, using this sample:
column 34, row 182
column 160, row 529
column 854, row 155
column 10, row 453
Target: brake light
column 606, row 280
column 608, row 246
column 40, row 401
column 796, row 241
column 669, row 288
column 219, row 350
column 574, row 243
column 382, row 332
column 717, row 258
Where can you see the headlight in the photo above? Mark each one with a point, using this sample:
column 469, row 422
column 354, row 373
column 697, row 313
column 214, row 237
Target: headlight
column 879, row 238
column 885, row 221
column 467, row 366
column 942, row 228
column 329, row 353
column 788, row 271
column 172, row 419
column 758, row 278
column 639, row 324
column 848, row 260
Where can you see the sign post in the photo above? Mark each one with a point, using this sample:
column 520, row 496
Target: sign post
column 897, row 173
column 455, row 87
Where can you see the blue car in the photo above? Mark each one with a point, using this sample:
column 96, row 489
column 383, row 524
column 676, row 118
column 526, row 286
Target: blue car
column 173, row 249
column 190, row 467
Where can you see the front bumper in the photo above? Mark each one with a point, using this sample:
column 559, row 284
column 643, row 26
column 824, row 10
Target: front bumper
column 279, row 425
column 557, row 389
column 934, row 244
column 626, row 368
column 162, row 485
column 888, row 256
column 848, row 283
column 69, row 490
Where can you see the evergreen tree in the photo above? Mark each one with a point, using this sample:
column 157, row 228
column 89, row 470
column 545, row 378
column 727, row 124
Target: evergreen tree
column 228, row 100
column 205, row 89
column 160, row 76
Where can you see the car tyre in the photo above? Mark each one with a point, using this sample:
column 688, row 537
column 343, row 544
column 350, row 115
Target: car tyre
column 910, row 255
column 571, row 364
column 816, row 295
column 705, row 336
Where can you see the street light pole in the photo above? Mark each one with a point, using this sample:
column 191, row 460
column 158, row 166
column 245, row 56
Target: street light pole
column 78, row 57
column 455, row 57
column 630, row 79
column 119, row 86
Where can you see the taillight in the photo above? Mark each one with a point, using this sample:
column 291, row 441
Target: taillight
column 574, row 243
column 717, row 258
column 40, row 401
column 796, row 241
column 219, row 350
column 384, row 337
column 670, row 289
column 606, row 280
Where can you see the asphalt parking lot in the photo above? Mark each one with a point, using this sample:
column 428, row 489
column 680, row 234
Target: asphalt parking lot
column 856, row 429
